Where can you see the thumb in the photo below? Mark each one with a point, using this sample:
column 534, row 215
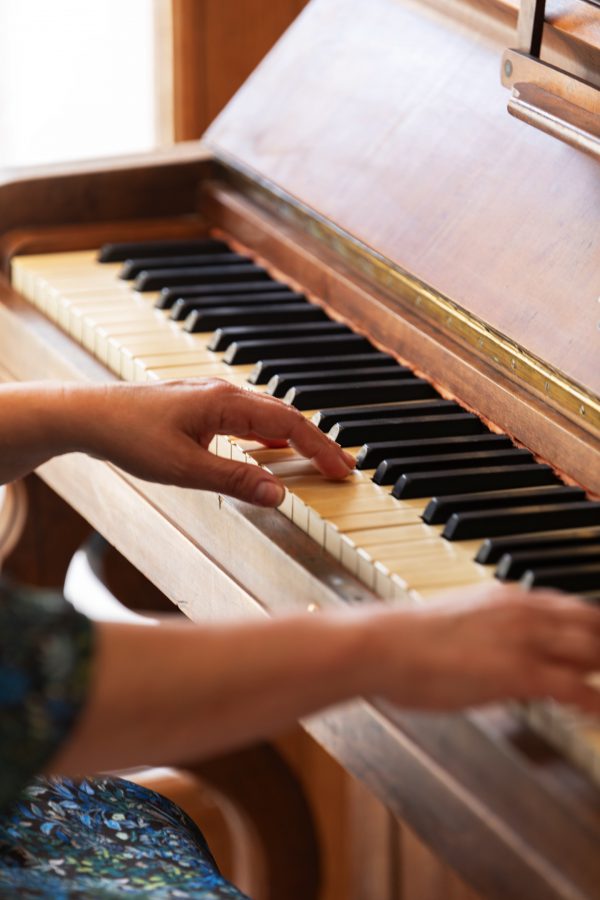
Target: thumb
column 242, row 480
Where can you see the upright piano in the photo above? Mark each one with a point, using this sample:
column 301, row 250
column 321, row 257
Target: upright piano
column 366, row 232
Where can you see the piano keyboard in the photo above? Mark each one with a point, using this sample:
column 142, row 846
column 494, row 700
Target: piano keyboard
column 438, row 500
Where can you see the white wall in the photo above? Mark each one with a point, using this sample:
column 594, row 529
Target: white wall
column 76, row 79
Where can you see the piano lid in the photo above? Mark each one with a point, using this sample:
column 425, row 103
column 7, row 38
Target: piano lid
column 388, row 118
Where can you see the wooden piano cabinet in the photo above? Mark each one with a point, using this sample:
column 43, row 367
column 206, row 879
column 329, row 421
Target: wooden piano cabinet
column 394, row 187
column 498, row 815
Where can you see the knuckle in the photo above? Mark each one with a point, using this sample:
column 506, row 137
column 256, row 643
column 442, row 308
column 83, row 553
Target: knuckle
column 220, row 386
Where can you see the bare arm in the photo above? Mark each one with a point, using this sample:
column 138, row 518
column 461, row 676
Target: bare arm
column 193, row 690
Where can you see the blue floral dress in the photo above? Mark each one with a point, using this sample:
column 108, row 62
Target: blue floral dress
column 98, row 837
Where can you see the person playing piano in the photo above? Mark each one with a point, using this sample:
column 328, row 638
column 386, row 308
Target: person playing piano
column 78, row 697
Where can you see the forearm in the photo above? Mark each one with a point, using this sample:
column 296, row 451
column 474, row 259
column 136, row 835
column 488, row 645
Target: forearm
column 177, row 692
column 40, row 420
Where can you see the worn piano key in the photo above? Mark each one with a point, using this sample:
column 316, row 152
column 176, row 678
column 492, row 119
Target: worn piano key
column 132, row 267
column 353, row 434
column 273, row 314
column 156, row 279
column 224, row 337
column 512, row 566
column 209, row 304
column 469, row 481
column 498, row 522
column 281, row 383
column 266, row 369
column 119, row 252
column 325, row 419
column 322, row 395
column 333, row 345
column 573, row 578
column 439, row 509
column 493, row 549
column 169, row 297
column 390, row 470
column 374, row 452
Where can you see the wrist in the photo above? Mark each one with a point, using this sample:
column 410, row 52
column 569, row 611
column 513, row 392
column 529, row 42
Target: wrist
column 67, row 414
column 392, row 652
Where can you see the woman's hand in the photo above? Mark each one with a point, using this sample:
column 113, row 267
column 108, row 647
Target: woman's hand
column 160, row 432
column 492, row 642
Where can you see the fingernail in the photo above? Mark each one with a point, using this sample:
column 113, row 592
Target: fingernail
column 268, row 493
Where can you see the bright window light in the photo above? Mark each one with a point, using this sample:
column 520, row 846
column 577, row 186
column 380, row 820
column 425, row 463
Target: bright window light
column 76, row 79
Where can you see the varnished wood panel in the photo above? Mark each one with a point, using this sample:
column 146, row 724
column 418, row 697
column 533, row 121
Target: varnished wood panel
column 389, row 119
column 216, row 46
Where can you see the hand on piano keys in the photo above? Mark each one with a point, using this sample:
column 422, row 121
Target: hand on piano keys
column 487, row 643
column 163, row 432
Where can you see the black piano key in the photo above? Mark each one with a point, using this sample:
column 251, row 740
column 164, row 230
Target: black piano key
column 493, row 549
column 272, row 314
column 390, row 470
column 497, row 522
column 373, row 452
column 325, row 419
column 156, row 279
column 266, row 369
column 319, row 395
column 512, row 566
column 471, row 481
column 223, row 337
column 168, row 297
column 121, row 252
column 351, row 434
column 183, row 307
column 280, row 384
column 439, row 509
column 565, row 578
column 242, row 352
column 132, row 267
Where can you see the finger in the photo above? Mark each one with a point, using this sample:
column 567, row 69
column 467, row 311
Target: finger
column 565, row 686
column 251, row 414
column 572, row 643
column 270, row 443
column 557, row 613
column 241, row 480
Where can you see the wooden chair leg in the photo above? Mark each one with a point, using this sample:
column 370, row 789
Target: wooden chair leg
column 13, row 515
column 268, row 847
column 51, row 534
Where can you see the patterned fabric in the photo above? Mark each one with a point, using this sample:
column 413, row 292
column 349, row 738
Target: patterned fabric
column 99, row 837
column 45, row 661
column 104, row 837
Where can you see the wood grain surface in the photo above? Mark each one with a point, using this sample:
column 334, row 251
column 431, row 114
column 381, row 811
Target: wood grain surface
column 389, row 119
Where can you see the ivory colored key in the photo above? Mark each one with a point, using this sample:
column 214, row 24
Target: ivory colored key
column 124, row 350
column 84, row 325
column 360, row 520
column 192, row 371
column 97, row 335
column 55, row 299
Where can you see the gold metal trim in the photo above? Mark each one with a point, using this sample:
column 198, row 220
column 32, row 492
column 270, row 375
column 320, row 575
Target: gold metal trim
column 422, row 301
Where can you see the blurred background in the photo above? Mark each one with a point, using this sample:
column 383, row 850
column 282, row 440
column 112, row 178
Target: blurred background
column 82, row 80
